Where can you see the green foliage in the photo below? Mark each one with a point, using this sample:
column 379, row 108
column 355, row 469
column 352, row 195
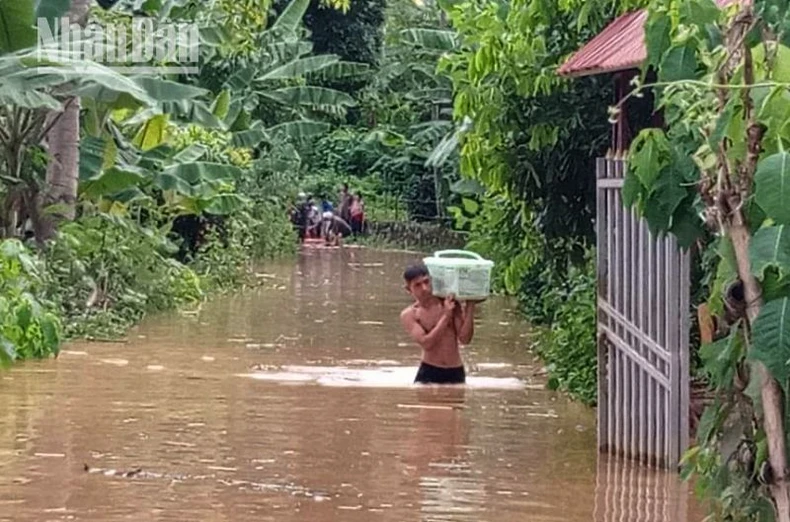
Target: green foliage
column 722, row 162
column 772, row 187
column 771, row 339
column 17, row 20
column 770, row 248
column 491, row 233
column 568, row 345
column 28, row 328
column 661, row 185
column 106, row 273
column 264, row 227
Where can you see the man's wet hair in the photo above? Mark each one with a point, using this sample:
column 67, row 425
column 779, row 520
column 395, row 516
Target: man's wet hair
column 415, row 271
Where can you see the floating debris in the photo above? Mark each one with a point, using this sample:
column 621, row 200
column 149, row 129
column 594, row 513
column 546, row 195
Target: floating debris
column 180, row 444
column 116, row 362
column 133, row 473
column 430, row 406
column 72, row 352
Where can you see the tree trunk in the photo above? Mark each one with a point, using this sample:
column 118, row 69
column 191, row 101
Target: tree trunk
column 437, row 175
column 63, row 147
column 736, row 191
column 773, row 417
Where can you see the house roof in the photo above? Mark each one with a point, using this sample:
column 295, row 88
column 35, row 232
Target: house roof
column 619, row 47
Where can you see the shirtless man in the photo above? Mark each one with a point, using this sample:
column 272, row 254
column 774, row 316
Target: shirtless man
column 439, row 326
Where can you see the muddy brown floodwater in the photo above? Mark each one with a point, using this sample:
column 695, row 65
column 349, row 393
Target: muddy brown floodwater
column 293, row 402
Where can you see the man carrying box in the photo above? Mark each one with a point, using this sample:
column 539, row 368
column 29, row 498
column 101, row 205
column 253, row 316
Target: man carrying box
column 439, row 326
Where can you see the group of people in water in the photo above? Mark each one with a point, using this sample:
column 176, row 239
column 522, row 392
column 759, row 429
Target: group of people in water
column 322, row 222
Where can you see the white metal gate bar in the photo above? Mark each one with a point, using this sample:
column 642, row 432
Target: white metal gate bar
column 643, row 331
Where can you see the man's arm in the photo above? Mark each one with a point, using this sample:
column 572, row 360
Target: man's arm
column 465, row 322
column 426, row 340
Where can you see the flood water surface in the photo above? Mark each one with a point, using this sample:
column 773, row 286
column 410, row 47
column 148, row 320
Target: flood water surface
column 294, row 402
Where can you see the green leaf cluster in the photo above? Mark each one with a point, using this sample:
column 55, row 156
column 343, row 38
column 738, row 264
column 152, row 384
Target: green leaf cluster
column 661, row 183
column 28, row 326
column 723, row 156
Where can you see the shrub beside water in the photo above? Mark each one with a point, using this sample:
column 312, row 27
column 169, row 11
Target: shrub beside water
column 568, row 343
column 28, row 325
column 105, row 273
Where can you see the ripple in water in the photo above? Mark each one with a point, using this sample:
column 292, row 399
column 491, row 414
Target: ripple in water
column 388, row 377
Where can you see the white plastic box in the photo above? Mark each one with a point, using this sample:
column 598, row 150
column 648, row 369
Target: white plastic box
column 460, row 272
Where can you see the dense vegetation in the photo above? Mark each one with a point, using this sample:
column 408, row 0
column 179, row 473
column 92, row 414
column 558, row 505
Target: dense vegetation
column 722, row 164
column 121, row 195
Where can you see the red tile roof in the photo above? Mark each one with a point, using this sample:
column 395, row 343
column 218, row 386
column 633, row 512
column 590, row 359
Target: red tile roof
column 620, row 46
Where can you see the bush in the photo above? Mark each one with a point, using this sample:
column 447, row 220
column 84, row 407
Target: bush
column 28, row 326
column 105, row 273
column 568, row 345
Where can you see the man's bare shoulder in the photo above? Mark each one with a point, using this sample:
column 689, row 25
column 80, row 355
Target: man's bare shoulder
column 408, row 312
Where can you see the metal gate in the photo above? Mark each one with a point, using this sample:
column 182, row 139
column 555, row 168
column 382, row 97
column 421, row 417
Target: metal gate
column 643, row 332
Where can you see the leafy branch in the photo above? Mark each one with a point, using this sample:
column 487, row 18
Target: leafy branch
column 726, row 104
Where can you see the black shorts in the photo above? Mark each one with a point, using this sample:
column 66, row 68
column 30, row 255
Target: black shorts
column 430, row 374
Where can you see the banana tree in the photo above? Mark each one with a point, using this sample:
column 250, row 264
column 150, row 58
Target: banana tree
column 263, row 91
column 130, row 156
column 30, row 90
column 178, row 180
column 39, row 99
column 63, row 139
column 273, row 100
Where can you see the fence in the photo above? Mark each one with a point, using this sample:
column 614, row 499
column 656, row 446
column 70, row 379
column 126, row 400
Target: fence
column 643, row 332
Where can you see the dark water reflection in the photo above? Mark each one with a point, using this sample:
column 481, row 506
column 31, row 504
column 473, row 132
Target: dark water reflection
column 351, row 442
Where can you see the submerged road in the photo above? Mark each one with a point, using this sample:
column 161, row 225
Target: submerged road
column 294, row 402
